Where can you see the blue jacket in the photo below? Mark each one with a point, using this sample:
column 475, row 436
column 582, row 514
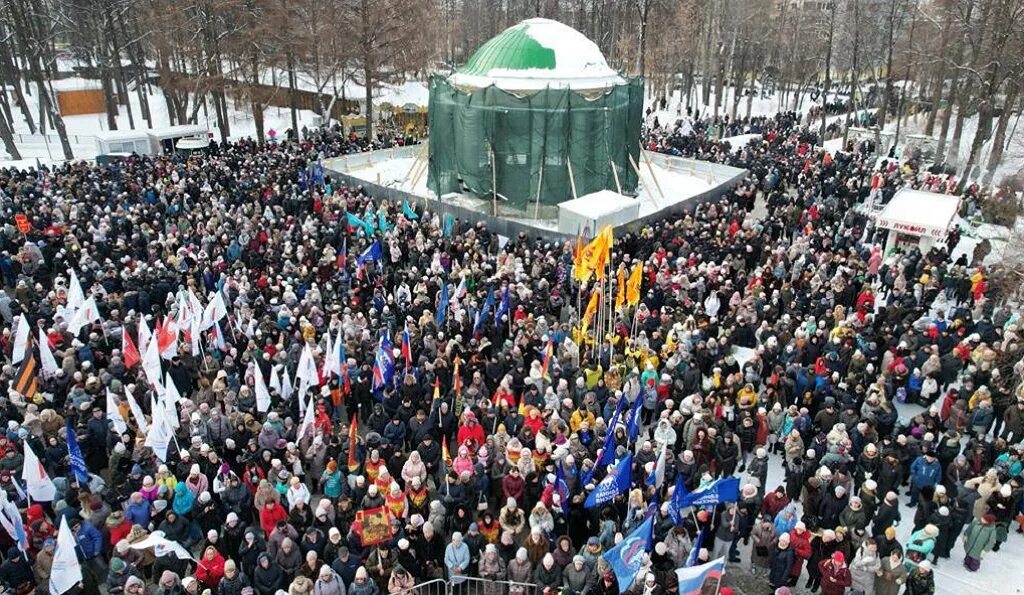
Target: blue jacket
column 90, row 541
column 923, row 473
column 138, row 514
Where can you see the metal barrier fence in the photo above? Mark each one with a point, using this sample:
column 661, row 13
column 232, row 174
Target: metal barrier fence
column 437, row 586
column 472, row 585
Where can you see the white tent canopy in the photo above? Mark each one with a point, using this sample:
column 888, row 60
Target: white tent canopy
column 919, row 213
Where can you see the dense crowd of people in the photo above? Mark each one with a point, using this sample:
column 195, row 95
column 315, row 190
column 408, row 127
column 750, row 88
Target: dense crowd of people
column 780, row 346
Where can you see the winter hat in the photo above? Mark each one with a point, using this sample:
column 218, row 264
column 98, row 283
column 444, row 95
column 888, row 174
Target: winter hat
column 838, row 558
column 117, row 565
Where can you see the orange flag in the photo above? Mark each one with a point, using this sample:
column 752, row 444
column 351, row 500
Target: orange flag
column 620, row 284
column 633, row 285
column 353, row 462
column 588, row 314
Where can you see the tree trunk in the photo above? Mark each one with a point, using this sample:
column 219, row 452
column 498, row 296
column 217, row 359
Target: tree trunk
column 368, row 82
column 995, row 156
column 291, row 95
column 828, row 70
column 108, row 99
column 953, row 156
column 8, row 139
column 11, row 76
column 887, row 93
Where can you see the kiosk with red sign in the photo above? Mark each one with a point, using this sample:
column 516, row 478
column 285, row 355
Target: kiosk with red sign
column 916, row 218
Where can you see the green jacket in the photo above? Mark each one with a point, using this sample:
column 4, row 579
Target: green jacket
column 980, row 538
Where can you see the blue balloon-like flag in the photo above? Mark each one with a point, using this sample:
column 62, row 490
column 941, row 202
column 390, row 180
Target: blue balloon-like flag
column 75, row 457
column 626, row 558
column 616, row 482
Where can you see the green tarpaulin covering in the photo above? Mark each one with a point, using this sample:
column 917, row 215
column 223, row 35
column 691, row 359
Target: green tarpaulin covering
column 542, row 130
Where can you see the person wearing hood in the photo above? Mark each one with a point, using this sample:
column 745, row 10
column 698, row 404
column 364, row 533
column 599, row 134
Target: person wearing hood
column 210, row 568
column 520, row 571
column 233, row 582
column 267, row 577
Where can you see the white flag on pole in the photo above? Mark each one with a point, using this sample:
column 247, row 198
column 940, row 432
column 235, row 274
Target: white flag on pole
column 307, row 419
column 262, row 394
column 140, row 417
column 144, row 335
column 162, row 546
column 89, row 312
column 114, row 414
column 39, row 485
column 66, row 571
column 215, row 310
column 76, row 297
column 21, row 335
column 159, row 436
column 286, row 385
column 46, row 358
column 151, row 363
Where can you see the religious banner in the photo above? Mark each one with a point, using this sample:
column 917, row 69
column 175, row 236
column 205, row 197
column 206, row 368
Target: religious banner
column 373, row 525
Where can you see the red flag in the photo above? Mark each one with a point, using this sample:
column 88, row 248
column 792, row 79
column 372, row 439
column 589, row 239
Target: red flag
column 129, row 350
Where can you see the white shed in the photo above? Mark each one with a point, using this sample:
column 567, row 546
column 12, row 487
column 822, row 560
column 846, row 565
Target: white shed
column 150, row 141
column 918, row 218
column 591, row 212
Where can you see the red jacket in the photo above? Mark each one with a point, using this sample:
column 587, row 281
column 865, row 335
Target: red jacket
column 269, row 517
column 834, row 578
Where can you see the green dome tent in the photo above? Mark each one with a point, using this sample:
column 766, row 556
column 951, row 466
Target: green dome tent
column 538, row 101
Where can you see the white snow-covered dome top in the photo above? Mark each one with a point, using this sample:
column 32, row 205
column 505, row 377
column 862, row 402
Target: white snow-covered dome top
column 538, row 54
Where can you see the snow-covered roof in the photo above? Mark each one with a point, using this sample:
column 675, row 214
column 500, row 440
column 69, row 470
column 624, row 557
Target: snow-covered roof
column 919, row 213
column 76, row 84
column 538, row 54
column 597, row 204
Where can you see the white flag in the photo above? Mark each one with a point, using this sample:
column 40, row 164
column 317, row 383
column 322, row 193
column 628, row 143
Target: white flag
column 114, row 414
column 140, row 417
column 37, row 482
column 144, row 335
column 76, row 297
column 159, row 436
column 170, row 398
column 275, row 380
column 332, row 365
column 262, row 394
column 20, row 340
column 307, row 419
column 162, row 546
column 215, row 310
column 151, row 363
column 307, row 366
column 66, row 571
column 46, row 358
column 286, row 385
column 89, row 312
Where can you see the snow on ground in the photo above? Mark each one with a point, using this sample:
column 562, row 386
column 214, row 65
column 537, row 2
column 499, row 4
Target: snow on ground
column 741, row 140
column 82, row 129
column 673, row 181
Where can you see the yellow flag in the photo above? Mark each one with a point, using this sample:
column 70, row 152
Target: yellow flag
column 596, row 254
column 620, row 284
column 633, row 285
column 588, row 314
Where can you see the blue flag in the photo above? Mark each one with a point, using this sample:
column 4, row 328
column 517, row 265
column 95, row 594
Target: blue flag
column 691, row 560
column 675, row 504
column 633, row 421
column 354, row 221
column 75, row 457
column 442, row 305
column 318, row 172
column 562, row 488
column 726, row 489
column 371, row 254
column 408, row 212
column 449, row 222
column 617, row 481
column 503, row 308
column 626, row 558
column 485, row 311
column 302, row 179
column 608, row 449
column 383, row 366
column 382, row 222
